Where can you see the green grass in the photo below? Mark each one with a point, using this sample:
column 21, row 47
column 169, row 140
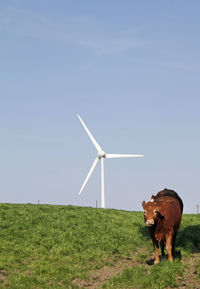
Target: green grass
column 48, row 246
column 43, row 246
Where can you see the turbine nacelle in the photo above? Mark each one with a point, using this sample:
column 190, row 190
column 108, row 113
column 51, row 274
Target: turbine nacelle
column 101, row 154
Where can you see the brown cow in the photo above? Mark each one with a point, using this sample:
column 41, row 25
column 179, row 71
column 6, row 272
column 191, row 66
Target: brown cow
column 163, row 218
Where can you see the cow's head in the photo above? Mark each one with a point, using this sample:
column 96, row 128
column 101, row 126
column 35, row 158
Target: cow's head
column 151, row 213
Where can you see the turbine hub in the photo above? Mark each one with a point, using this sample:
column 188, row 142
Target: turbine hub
column 101, row 154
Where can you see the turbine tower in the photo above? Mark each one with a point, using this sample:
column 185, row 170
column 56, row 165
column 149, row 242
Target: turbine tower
column 100, row 157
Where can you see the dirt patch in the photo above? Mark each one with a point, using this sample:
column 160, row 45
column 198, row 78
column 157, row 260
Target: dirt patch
column 3, row 275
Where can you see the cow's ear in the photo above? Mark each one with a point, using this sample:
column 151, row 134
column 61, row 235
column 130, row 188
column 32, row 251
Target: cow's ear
column 153, row 198
column 143, row 204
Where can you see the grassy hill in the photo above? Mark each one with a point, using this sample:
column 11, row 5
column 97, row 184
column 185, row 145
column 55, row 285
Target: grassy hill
column 44, row 246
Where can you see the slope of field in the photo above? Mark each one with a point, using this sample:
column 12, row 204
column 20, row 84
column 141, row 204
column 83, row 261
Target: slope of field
column 44, row 246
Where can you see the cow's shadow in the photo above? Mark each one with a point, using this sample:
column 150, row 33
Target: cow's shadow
column 151, row 261
column 188, row 240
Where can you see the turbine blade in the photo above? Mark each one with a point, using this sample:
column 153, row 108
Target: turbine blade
column 97, row 146
column 110, row 156
column 89, row 174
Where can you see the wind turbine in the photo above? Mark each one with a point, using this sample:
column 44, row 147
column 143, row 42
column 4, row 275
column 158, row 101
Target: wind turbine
column 100, row 157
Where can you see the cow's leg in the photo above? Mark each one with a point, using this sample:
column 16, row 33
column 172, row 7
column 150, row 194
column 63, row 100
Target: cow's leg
column 162, row 245
column 155, row 244
column 156, row 251
column 169, row 244
column 173, row 244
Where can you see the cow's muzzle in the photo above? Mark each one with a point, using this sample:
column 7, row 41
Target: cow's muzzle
column 150, row 222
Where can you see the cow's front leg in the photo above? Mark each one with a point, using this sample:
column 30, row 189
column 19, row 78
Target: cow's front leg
column 156, row 252
column 169, row 245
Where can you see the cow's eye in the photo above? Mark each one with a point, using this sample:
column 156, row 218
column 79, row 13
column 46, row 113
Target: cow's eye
column 155, row 211
column 145, row 212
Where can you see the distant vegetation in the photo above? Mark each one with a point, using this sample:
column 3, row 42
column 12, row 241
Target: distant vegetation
column 44, row 246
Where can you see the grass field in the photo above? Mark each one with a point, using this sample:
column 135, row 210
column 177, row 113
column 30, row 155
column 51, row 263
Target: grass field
column 44, row 246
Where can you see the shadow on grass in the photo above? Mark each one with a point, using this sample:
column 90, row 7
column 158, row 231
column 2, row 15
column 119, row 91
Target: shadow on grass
column 151, row 261
column 188, row 239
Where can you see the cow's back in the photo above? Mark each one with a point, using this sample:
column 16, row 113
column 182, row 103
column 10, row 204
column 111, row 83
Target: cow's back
column 170, row 193
column 169, row 209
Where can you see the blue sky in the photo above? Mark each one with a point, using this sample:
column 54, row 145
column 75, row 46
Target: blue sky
column 131, row 69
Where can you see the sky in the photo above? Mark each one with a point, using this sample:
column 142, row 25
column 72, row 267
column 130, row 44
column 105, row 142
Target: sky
column 130, row 69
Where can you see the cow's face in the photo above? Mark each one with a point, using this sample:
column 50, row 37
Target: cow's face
column 150, row 213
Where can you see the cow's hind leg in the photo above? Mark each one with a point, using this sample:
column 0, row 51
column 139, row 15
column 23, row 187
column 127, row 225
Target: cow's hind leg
column 169, row 245
column 173, row 244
